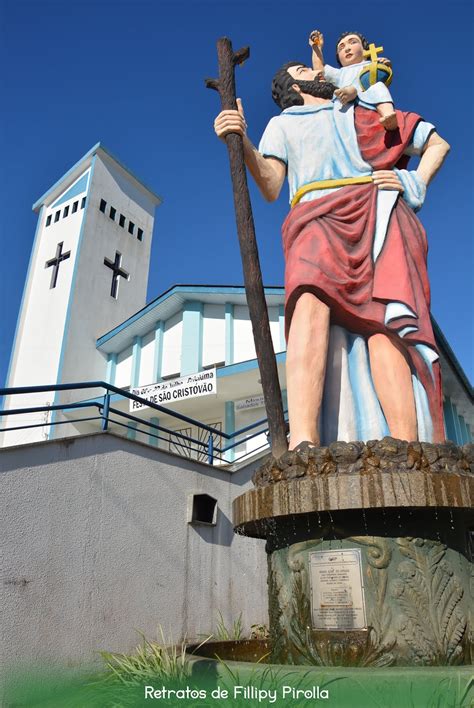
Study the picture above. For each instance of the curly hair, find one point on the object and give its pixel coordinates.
(282, 92)
(365, 43)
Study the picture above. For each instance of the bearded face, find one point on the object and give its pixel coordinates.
(318, 89)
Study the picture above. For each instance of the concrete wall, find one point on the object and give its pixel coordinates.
(97, 545)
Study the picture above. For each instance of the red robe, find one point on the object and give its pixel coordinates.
(328, 244)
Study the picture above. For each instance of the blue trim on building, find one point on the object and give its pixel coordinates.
(191, 342)
(136, 359)
(114, 398)
(70, 300)
(193, 289)
(449, 424)
(74, 191)
(92, 154)
(243, 366)
(152, 440)
(446, 348)
(132, 431)
(23, 297)
(229, 333)
(111, 369)
(230, 427)
(158, 353)
(281, 322)
(452, 422)
(463, 426)
(457, 424)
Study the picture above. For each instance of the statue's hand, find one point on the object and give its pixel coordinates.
(231, 122)
(346, 94)
(387, 179)
(384, 60)
(316, 39)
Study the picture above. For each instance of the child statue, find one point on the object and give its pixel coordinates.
(352, 79)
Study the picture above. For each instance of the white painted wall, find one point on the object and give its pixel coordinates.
(147, 359)
(213, 334)
(94, 311)
(43, 317)
(97, 545)
(244, 347)
(172, 338)
(244, 418)
(123, 370)
(273, 316)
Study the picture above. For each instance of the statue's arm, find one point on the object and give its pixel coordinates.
(268, 172)
(316, 42)
(433, 155)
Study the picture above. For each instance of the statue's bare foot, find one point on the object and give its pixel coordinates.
(389, 121)
(303, 445)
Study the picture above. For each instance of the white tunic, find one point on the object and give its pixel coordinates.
(349, 76)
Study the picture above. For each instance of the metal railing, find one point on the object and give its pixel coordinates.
(107, 415)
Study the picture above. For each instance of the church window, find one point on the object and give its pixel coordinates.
(56, 216)
(121, 220)
(102, 206)
(131, 227)
(112, 213)
(140, 234)
(48, 220)
(65, 212)
(74, 207)
(83, 203)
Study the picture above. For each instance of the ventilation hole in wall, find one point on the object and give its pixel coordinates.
(203, 509)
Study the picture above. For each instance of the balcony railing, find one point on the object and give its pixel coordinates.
(215, 443)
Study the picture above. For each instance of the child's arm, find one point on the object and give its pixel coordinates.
(346, 94)
(316, 42)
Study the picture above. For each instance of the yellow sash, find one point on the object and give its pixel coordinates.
(328, 184)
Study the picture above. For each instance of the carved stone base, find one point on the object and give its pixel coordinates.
(405, 522)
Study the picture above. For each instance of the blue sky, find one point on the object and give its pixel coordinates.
(131, 74)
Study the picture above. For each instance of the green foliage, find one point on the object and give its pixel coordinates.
(151, 660)
(223, 633)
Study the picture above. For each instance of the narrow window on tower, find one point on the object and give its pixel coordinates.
(112, 213)
(65, 212)
(74, 207)
(140, 234)
(56, 216)
(102, 206)
(121, 220)
(83, 203)
(48, 220)
(131, 227)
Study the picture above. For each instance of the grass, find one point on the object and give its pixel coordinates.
(223, 633)
(155, 660)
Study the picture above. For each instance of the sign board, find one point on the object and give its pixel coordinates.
(337, 590)
(202, 384)
(251, 402)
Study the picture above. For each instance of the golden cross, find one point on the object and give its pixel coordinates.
(371, 52)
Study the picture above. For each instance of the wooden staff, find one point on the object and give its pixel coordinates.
(225, 85)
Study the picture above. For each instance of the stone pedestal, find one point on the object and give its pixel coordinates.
(370, 552)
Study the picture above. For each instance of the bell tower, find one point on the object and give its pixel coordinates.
(88, 272)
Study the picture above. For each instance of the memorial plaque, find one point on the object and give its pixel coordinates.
(337, 590)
